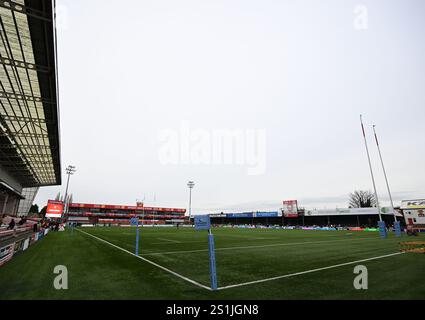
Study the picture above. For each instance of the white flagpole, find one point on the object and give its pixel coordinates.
(385, 174)
(371, 172)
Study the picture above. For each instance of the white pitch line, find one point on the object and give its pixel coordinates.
(174, 241)
(308, 271)
(149, 261)
(180, 242)
(254, 247)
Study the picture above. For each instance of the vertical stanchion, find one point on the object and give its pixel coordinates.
(135, 222)
(137, 239)
(204, 223)
(397, 228)
(213, 273)
(382, 229)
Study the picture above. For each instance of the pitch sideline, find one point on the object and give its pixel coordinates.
(243, 283)
(149, 261)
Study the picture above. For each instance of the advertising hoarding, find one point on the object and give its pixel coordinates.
(54, 209)
(202, 222)
(290, 208)
(273, 214)
(413, 204)
(240, 215)
(6, 253)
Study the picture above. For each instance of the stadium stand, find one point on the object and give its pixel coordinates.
(29, 113)
(102, 214)
(29, 116)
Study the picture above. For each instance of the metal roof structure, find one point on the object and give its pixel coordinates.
(29, 111)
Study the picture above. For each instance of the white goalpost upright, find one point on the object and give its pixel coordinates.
(381, 223)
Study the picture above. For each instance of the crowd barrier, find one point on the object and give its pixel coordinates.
(19, 242)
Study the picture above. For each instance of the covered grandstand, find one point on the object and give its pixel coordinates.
(29, 111)
(102, 214)
(346, 217)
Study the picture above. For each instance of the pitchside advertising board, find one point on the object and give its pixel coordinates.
(267, 214)
(6, 253)
(290, 208)
(54, 209)
(202, 222)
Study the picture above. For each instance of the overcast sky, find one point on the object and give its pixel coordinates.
(146, 87)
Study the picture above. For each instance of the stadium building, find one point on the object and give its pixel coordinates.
(29, 113)
(414, 213)
(103, 214)
(293, 216)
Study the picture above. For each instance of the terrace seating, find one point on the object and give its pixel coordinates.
(18, 230)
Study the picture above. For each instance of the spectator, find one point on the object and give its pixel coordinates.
(22, 222)
(11, 225)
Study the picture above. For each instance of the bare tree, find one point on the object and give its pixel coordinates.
(362, 199)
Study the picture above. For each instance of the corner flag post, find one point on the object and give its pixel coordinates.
(204, 223)
(135, 222)
(381, 223)
(213, 271)
(397, 228)
(137, 237)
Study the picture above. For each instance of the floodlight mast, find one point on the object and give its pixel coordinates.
(190, 184)
(70, 170)
(143, 210)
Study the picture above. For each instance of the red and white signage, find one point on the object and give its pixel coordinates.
(6, 253)
(54, 209)
(290, 208)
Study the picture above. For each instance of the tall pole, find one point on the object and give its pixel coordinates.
(70, 170)
(190, 203)
(190, 184)
(67, 184)
(370, 167)
(385, 173)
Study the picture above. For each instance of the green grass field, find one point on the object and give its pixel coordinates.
(98, 270)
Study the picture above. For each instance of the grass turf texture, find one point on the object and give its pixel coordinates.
(100, 271)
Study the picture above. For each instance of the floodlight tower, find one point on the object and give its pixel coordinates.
(190, 184)
(70, 170)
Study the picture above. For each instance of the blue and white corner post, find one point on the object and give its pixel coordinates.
(135, 222)
(204, 223)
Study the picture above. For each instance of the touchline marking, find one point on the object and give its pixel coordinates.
(253, 247)
(308, 271)
(150, 262)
